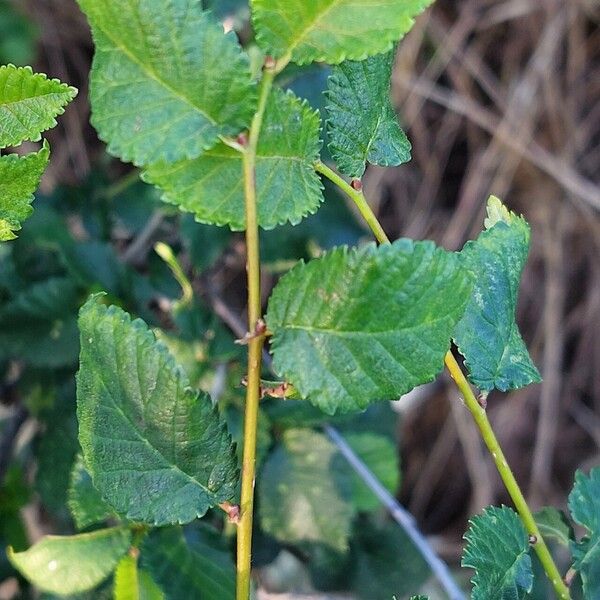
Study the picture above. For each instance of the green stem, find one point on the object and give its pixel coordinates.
(166, 253)
(478, 412)
(489, 437)
(255, 345)
(358, 198)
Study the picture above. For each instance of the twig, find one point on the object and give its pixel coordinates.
(399, 514)
(255, 345)
(489, 437)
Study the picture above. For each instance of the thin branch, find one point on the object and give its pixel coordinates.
(399, 514)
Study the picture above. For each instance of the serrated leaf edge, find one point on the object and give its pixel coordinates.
(170, 362)
(68, 89)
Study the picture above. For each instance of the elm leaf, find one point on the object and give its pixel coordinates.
(584, 504)
(29, 104)
(157, 450)
(84, 500)
(367, 324)
(553, 524)
(362, 124)
(193, 565)
(488, 336)
(498, 549)
(331, 30)
(303, 497)
(288, 188)
(19, 179)
(166, 81)
(132, 583)
(72, 564)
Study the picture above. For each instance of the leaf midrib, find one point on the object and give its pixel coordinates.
(344, 333)
(502, 583)
(138, 434)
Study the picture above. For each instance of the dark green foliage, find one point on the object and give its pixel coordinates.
(349, 329)
(193, 565)
(85, 502)
(303, 498)
(387, 563)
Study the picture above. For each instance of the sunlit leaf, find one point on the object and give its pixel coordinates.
(367, 324)
(166, 81)
(71, 564)
(29, 104)
(331, 30)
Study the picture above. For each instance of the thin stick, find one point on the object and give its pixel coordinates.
(399, 514)
(480, 417)
(255, 345)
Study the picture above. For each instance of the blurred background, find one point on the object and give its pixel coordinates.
(497, 97)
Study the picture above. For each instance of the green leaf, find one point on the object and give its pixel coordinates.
(288, 188)
(71, 564)
(84, 500)
(56, 447)
(38, 324)
(331, 30)
(498, 549)
(156, 450)
(166, 81)
(19, 179)
(362, 124)
(554, 524)
(18, 36)
(303, 497)
(584, 504)
(29, 103)
(380, 455)
(488, 336)
(132, 583)
(50, 299)
(360, 325)
(388, 565)
(189, 567)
